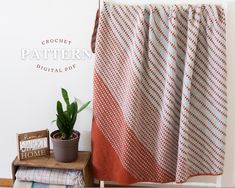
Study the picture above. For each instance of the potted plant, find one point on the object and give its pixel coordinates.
(65, 139)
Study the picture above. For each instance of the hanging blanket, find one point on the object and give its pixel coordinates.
(160, 104)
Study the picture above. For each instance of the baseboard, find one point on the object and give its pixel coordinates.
(6, 182)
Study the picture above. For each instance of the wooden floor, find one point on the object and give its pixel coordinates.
(6, 182)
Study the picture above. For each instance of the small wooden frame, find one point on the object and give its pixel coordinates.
(33, 144)
(83, 163)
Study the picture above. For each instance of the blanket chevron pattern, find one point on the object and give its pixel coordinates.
(160, 103)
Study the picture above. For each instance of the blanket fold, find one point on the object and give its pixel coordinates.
(72, 178)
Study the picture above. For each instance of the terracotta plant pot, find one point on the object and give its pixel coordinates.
(65, 150)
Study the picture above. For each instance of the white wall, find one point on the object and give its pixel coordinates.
(28, 96)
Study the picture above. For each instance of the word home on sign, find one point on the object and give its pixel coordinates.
(33, 144)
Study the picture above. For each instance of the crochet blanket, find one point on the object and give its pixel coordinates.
(72, 178)
(27, 184)
(160, 104)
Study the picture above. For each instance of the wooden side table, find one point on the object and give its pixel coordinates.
(83, 163)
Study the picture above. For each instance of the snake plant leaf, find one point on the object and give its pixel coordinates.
(62, 119)
(73, 121)
(66, 99)
(59, 125)
(67, 116)
(83, 106)
(65, 95)
(53, 121)
(74, 108)
(62, 129)
(59, 107)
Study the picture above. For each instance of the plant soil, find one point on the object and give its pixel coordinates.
(59, 136)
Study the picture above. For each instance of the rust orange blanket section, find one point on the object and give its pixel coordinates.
(107, 165)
